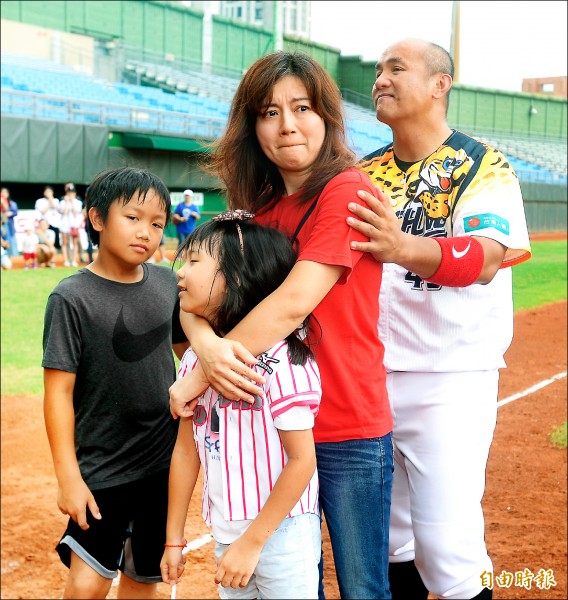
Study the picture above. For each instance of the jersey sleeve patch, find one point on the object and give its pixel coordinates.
(485, 220)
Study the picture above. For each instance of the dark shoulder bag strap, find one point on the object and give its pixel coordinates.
(304, 219)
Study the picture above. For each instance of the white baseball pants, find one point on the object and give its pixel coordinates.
(443, 428)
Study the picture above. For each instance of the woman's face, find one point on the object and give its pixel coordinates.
(290, 132)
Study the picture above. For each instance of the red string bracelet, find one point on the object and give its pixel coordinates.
(176, 545)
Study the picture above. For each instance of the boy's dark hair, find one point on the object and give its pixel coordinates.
(251, 274)
(113, 185)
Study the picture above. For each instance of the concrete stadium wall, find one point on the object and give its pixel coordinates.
(35, 151)
(545, 206)
(151, 26)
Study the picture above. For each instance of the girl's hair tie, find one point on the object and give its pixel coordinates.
(236, 215)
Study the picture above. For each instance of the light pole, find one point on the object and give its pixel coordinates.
(455, 39)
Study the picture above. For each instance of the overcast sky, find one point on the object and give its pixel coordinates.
(501, 43)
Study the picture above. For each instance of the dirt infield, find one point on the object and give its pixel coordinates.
(525, 500)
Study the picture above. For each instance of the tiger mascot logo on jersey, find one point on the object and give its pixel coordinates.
(438, 177)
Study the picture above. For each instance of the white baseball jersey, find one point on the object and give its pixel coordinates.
(239, 445)
(464, 188)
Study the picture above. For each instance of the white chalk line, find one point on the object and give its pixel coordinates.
(532, 389)
(197, 543)
(205, 539)
(193, 545)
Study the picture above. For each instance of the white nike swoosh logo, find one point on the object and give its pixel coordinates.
(458, 254)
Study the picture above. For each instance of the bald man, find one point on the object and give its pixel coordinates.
(448, 227)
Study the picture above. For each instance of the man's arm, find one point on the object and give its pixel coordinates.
(73, 496)
(423, 256)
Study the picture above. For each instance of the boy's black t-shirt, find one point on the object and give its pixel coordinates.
(117, 338)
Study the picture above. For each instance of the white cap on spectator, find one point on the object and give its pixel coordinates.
(188, 193)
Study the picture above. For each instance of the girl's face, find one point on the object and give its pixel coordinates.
(201, 284)
(290, 132)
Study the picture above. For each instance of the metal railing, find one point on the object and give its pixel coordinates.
(120, 117)
(116, 116)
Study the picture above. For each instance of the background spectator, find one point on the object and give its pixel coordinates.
(71, 209)
(46, 247)
(185, 215)
(6, 261)
(9, 211)
(89, 242)
(47, 208)
(29, 248)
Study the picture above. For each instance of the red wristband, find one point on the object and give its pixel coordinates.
(462, 261)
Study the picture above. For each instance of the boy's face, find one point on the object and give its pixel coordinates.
(133, 232)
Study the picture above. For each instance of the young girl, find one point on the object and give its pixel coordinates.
(260, 490)
(29, 248)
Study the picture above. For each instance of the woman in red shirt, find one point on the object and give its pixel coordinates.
(284, 156)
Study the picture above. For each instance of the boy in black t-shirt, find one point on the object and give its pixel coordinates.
(108, 364)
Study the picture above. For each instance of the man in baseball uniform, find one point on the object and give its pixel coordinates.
(450, 225)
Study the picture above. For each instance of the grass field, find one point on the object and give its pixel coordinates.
(24, 294)
(542, 279)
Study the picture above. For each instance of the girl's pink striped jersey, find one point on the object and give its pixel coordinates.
(244, 437)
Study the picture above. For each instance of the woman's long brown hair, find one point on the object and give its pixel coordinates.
(250, 179)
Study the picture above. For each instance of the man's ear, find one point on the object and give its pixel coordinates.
(443, 85)
(95, 218)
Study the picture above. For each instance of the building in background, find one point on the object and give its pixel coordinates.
(551, 86)
(295, 14)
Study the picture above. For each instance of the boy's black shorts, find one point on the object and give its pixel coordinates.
(130, 536)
